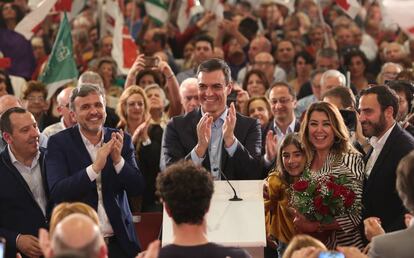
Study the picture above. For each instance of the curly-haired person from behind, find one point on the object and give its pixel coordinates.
(186, 191)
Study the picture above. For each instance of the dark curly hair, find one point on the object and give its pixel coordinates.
(186, 189)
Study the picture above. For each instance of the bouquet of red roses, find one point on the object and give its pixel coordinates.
(322, 197)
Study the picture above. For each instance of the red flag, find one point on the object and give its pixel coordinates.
(351, 7)
(129, 48)
(63, 6)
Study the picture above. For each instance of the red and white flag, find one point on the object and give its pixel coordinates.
(124, 50)
(350, 7)
(188, 9)
(31, 22)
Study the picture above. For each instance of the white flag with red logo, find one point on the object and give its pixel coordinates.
(401, 13)
(124, 50)
(31, 22)
(350, 7)
(188, 9)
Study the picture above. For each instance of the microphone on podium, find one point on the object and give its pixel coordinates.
(235, 197)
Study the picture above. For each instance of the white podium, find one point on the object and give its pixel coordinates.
(233, 223)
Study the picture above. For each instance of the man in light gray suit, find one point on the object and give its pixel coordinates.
(399, 243)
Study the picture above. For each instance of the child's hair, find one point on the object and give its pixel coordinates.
(300, 241)
(291, 138)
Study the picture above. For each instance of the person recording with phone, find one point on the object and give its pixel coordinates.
(162, 75)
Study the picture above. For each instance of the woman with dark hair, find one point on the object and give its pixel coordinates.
(291, 162)
(147, 77)
(10, 15)
(356, 63)
(259, 107)
(5, 84)
(330, 153)
(303, 65)
(255, 83)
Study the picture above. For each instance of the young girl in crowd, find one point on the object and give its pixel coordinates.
(279, 217)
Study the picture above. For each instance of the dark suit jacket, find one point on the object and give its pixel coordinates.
(66, 161)
(380, 198)
(180, 137)
(266, 168)
(19, 211)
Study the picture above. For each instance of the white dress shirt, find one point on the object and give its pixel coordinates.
(33, 177)
(377, 145)
(104, 225)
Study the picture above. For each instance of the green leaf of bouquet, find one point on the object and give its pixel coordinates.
(328, 219)
(318, 217)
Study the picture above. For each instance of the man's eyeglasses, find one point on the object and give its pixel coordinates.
(282, 101)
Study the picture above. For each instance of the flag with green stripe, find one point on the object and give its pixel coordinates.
(157, 10)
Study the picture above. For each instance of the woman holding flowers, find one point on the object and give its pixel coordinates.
(335, 162)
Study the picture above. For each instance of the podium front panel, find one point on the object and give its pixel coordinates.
(232, 223)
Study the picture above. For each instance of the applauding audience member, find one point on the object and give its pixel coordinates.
(133, 110)
(96, 165)
(215, 136)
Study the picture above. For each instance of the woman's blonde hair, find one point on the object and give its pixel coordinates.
(122, 105)
(300, 241)
(65, 209)
(341, 135)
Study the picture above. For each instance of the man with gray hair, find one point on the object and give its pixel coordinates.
(67, 120)
(305, 102)
(79, 234)
(189, 95)
(96, 165)
(331, 79)
(389, 72)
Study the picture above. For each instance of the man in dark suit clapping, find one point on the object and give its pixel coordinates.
(214, 135)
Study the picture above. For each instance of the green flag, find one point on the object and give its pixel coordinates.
(157, 10)
(61, 67)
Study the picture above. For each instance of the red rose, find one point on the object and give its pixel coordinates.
(339, 190)
(300, 186)
(330, 185)
(324, 210)
(349, 199)
(318, 202)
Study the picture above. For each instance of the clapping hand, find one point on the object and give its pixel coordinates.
(141, 133)
(271, 146)
(203, 134)
(372, 227)
(228, 127)
(101, 156)
(118, 142)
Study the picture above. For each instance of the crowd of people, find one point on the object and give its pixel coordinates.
(267, 92)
